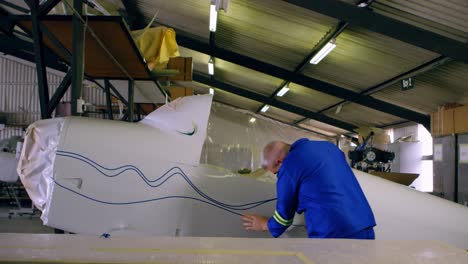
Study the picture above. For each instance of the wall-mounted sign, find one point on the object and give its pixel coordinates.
(438, 152)
(407, 84)
(463, 156)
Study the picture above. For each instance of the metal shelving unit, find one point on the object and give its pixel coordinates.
(85, 47)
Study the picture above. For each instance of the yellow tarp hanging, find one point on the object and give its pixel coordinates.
(157, 45)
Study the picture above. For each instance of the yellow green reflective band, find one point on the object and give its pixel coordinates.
(281, 220)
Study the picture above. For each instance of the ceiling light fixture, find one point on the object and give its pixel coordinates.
(211, 66)
(323, 52)
(211, 91)
(362, 4)
(265, 108)
(252, 120)
(338, 109)
(283, 91)
(213, 17)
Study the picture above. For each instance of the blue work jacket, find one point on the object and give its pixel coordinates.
(316, 180)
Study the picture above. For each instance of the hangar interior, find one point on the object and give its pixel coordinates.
(386, 81)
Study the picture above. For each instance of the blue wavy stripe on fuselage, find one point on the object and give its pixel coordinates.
(174, 170)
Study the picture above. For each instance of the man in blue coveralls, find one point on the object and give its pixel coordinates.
(314, 179)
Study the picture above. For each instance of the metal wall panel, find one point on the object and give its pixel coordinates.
(9, 132)
(19, 92)
(444, 166)
(462, 170)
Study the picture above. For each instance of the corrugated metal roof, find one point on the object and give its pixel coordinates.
(283, 34)
(362, 59)
(352, 2)
(224, 97)
(188, 15)
(307, 98)
(445, 84)
(234, 74)
(363, 116)
(272, 31)
(245, 78)
(322, 128)
(282, 115)
(20, 3)
(235, 100)
(448, 18)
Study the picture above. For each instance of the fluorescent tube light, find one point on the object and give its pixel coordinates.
(213, 18)
(323, 52)
(252, 120)
(264, 108)
(211, 66)
(211, 91)
(283, 91)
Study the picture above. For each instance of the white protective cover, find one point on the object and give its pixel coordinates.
(36, 161)
(121, 178)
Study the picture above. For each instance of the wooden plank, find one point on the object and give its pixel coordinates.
(98, 64)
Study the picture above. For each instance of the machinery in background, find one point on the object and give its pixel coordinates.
(11, 189)
(368, 158)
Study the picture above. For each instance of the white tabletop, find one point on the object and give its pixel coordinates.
(85, 249)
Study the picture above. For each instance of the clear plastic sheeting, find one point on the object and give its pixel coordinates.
(36, 163)
(236, 139)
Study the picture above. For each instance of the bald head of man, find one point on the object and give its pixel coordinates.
(273, 155)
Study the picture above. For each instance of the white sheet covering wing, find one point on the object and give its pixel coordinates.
(36, 162)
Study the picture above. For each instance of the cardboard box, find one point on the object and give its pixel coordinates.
(147, 108)
(183, 65)
(461, 120)
(442, 122)
(449, 106)
(401, 178)
(435, 124)
(178, 91)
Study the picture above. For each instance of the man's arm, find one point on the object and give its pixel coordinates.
(286, 205)
(285, 208)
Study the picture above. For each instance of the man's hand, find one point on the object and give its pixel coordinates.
(255, 223)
